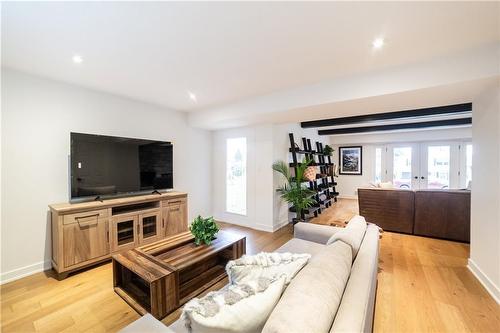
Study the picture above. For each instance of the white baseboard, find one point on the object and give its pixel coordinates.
(257, 226)
(18, 273)
(492, 289)
(280, 225)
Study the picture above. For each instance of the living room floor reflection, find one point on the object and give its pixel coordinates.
(423, 285)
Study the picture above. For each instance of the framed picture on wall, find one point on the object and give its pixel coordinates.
(351, 160)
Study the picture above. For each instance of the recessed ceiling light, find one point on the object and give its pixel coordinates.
(77, 59)
(192, 96)
(378, 43)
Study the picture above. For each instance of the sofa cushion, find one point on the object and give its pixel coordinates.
(311, 300)
(360, 291)
(268, 265)
(147, 323)
(296, 245)
(236, 308)
(352, 234)
(312, 232)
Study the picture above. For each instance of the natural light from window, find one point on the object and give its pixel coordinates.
(438, 167)
(236, 176)
(378, 165)
(402, 167)
(468, 164)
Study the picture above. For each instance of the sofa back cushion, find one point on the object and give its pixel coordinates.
(310, 302)
(355, 313)
(352, 234)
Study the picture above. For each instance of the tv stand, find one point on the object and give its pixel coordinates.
(98, 198)
(87, 233)
(156, 192)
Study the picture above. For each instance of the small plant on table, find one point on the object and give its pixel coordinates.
(204, 230)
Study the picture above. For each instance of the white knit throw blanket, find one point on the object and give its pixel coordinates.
(265, 265)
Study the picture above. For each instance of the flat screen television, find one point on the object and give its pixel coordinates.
(110, 166)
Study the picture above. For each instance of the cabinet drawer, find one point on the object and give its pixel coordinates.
(86, 218)
(177, 201)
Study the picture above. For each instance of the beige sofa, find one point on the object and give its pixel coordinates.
(318, 299)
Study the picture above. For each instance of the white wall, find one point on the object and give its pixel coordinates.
(38, 115)
(348, 184)
(259, 177)
(484, 259)
(265, 145)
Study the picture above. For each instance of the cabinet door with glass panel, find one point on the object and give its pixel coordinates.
(124, 232)
(150, 227)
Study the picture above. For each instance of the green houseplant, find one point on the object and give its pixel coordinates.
(293, 191)
(327, 150)
(204, 230)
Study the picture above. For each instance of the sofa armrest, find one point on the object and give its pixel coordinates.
(314, 232)
(147, 323)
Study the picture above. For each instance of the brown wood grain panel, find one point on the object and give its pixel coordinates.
(392, 210)
(173, 270)
(443, 214)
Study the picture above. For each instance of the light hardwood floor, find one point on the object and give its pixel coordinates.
(424, 286)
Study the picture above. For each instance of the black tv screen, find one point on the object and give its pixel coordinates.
(109, 166)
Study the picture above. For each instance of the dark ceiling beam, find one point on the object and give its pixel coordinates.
(380, 128)
(439, 110)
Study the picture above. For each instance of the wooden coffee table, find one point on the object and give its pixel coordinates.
(160, 277)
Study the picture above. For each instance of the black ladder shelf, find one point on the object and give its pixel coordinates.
(324, 184)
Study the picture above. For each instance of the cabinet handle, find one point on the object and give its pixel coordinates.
(87, 224)
(107, 236)
(163, 223)
(175, 202)
(86, 216)
(174, 209)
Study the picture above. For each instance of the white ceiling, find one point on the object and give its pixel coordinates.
(230, 52)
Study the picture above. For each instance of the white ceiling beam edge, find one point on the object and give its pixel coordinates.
(472, 65)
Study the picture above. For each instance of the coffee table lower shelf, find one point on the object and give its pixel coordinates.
(160, 277)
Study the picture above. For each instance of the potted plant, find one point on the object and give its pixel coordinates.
(327, 150)
(293, 191)
(204, 230)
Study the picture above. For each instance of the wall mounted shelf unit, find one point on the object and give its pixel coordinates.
(324, 184)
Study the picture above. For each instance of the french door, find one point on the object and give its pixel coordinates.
(430, 165)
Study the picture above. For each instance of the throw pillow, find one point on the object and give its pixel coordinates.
(267, 265)
(352, 234)
(237, 308)
(385, 185)
(310, 173)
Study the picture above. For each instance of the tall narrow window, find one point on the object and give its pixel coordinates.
(236, 176)
(438, 167)
(378, 165)
(402, 167)
(468, 164)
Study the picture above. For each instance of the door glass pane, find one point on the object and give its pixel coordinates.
(378, 165)
(149, 226)
(402, 167)
(468, 164)
(438, 167)
(125, 232)
(236, 176)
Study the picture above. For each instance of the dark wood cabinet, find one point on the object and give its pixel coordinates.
(432, 213)
(443, 214)
(392, 210)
